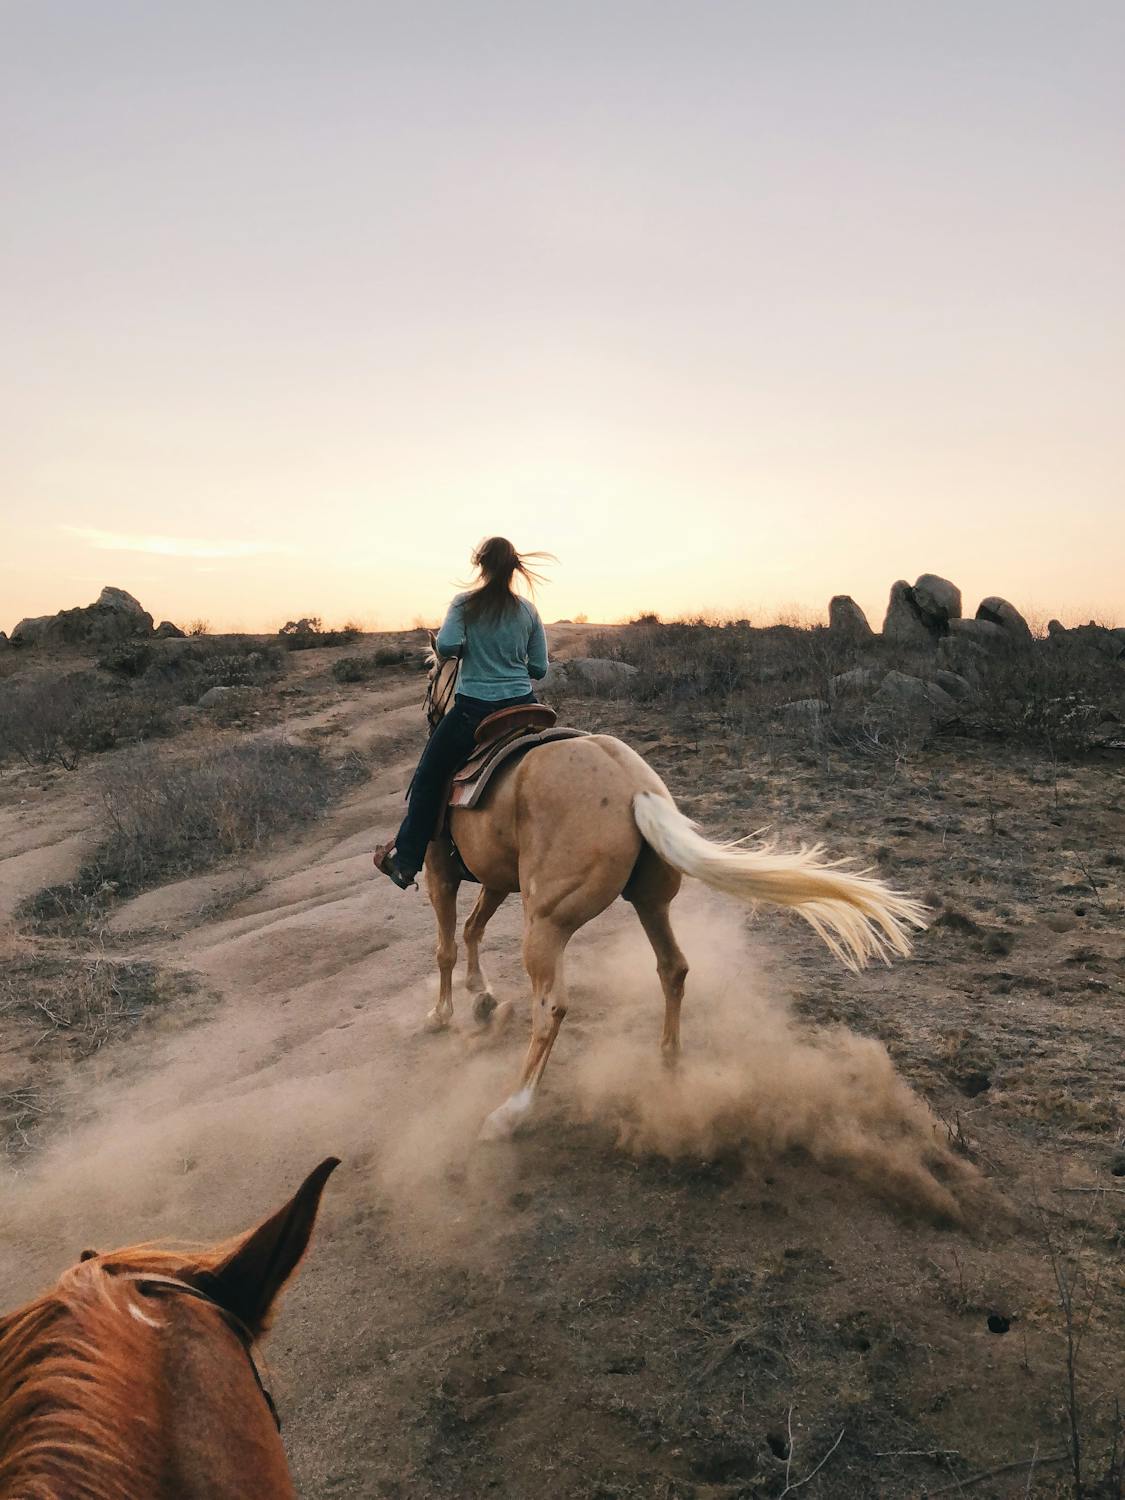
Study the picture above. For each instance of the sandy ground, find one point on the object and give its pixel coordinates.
(669, 1286)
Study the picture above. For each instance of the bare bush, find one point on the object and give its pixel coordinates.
(44, 720)
(57, 1008)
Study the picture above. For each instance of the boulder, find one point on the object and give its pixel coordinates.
(858, 680)
(845, 618)
(903, 624)
(997, 611)
(167, 631)
(958, 654)
(592, 674)
(909, 697)
(954, 684)
(979, 632)
(937, 600)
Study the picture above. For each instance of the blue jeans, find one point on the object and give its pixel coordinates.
(449, 748)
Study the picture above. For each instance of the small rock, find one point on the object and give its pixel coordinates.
(167, 631)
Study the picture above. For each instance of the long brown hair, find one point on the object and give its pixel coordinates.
(498, 562)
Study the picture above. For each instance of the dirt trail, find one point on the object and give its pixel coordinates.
(625, 1301)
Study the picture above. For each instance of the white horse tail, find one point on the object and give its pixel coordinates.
(857, 915)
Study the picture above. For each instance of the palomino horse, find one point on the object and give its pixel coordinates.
(133, 1377)
(575, 823)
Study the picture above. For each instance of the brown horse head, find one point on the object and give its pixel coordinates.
(134, 1374)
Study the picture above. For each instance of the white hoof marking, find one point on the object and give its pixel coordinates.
(502, 1122)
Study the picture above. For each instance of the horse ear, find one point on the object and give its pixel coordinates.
(247, 1282)
(433, 640)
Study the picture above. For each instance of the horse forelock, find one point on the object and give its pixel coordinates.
(79, 1383)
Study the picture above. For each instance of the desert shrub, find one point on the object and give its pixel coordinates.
(165, 817)
(307, 633)
(360, 668)
(199, 627)
(704, 660)
(1056, 698)
(184, 675)
(56, 720)
(39, 719)
(128, 659)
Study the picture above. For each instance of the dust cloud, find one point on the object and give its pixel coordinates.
(218, 1122)
(752, 1081)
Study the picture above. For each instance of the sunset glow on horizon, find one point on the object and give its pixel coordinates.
(732, 307)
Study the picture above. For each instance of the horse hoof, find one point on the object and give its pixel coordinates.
(483, 1008)
(503, 1122)
(435, 1022)
(502, 1015)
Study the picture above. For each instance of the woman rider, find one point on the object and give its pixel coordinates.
(500, 637)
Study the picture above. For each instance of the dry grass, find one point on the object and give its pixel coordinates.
(58, 1009)
(1046, 695)
(165, 817)
(58, 718)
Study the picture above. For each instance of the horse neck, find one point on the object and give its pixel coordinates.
(220, 1434)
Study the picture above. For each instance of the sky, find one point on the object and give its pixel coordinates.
(730, 305)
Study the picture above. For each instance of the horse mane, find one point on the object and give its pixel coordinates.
(70, 1407)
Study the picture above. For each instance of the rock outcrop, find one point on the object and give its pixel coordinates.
(114, 616)
(166, 631)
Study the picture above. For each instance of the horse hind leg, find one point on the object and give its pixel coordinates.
(486, 906)
(542, 953)
(671, 965)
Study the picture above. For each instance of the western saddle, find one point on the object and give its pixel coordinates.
(502, 736)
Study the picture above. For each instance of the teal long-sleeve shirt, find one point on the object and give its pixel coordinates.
(500, 657)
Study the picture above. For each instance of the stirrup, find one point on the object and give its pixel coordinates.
(385, 862)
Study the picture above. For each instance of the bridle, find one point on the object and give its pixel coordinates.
(148, 1281)
(439, 693)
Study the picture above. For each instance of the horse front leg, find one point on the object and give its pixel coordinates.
(442, 884)
(486, 906)
(543, 947)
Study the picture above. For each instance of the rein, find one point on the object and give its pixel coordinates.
(148, 1281)
(439, 703)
